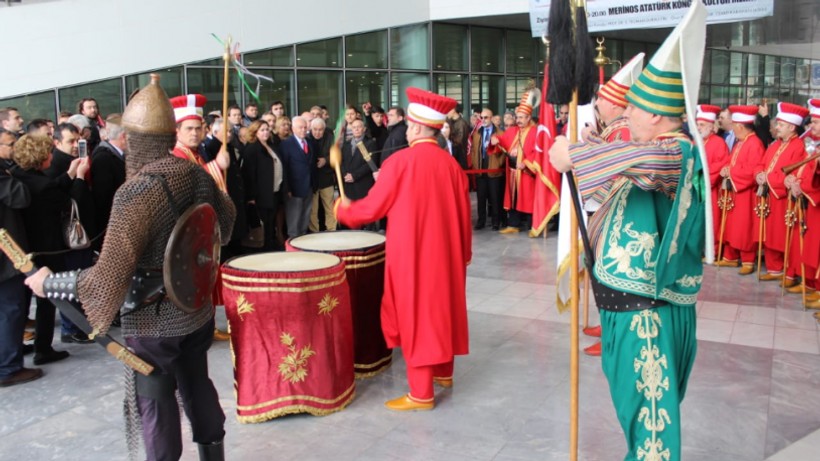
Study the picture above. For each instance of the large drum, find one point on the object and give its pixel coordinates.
(363, 254)
(291, 334)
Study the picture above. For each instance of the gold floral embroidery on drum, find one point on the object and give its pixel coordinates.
(327, 304)
(243, 306)
(652, 383)
(294, 365)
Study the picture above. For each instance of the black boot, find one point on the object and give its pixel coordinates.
(212, 451)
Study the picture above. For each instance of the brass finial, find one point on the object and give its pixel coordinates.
(601, 60)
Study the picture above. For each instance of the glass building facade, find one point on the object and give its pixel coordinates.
(476, 65)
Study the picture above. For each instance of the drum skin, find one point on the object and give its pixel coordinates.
(363, 253)
(291, 334)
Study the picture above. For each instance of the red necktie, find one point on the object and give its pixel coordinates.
(304, 146)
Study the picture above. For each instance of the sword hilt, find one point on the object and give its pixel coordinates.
(21, 261)
(130, 359)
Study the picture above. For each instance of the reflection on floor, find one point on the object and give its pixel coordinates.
(753, 392)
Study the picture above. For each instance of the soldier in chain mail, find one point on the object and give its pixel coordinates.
(156, 322)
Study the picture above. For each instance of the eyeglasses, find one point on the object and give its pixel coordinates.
(484, 117)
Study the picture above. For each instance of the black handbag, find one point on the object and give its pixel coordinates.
(256, 230)
(76, 238)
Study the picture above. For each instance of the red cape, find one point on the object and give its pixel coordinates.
(521, 191)
(741, 221)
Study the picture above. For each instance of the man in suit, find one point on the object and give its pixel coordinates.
(489, 186)
(108, 171)
(66, 137)
(298, 162)
(396, 133)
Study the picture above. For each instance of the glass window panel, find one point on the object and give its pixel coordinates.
(787, 71)
(170, 80)
(487, 91)
(755, 70)
(802, 71)
(455, 86)
(737, 68)
(703, 95)
(409, 47)
(400, 81)
(720, 66)
(706, 73)
(449, 47)
(362, 87)
(208, 82)
(720, 96)
(108, 94)
(280, 90)
(520, 52)
(31, 106)
(277, 57)
(367, 50)
(737, 95)
(541, 56)
(487, 49)
(324, 53)
(630, 49)
(317, 88)
(754, 95)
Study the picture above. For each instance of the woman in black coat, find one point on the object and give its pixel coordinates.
(43, 220)
(264, 180)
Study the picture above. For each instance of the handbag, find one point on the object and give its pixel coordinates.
(256, 230)
(75, 236)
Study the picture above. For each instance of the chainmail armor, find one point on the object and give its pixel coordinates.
(141, 223)
(146, 148)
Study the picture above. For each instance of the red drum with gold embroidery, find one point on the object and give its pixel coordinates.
(291, 334)
(363, 254)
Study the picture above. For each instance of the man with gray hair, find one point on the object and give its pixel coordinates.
(323, 180)
(298, 161)
(108, 171)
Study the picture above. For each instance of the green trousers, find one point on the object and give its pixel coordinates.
(647, 357)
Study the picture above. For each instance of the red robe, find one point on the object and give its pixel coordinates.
(423, 192)
(520, 186)
(717, 155)
(741, 221)
(617, 130)
(778, 155)
(809, 177)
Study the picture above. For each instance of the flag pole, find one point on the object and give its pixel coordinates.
(226, 56)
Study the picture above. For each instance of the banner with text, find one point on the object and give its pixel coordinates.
(642, 14)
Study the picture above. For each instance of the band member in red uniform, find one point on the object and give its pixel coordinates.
(717, 154)
(190, 132)
(740, 234)
(786, 150)
(423, 192)
(519, 144)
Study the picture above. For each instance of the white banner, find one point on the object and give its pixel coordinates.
(644, 14)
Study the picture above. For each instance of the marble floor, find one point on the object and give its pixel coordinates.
(753, 394)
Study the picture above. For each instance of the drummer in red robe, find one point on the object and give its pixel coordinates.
(786, 150)
(717, 154)
(188, 110)
(519, 144)
(424, 194)
(740, 234)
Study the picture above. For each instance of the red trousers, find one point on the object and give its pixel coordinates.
(731, 254)
(420, 379)
(774, 260)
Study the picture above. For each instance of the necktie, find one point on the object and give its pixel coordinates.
(304, 145)
(485, 142)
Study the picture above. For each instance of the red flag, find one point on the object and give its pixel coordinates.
(548, 188)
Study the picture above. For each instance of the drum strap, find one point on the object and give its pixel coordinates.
(164, 183)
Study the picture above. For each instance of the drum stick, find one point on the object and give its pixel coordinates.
(335, 162)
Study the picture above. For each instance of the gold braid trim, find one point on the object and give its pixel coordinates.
(380, 363)
(346, 397)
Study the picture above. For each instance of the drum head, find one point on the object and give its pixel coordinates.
(338, 241)
(283, 262)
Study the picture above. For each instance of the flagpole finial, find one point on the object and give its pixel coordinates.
(601, 59)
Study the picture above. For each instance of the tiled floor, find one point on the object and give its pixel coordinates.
(753, 392)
